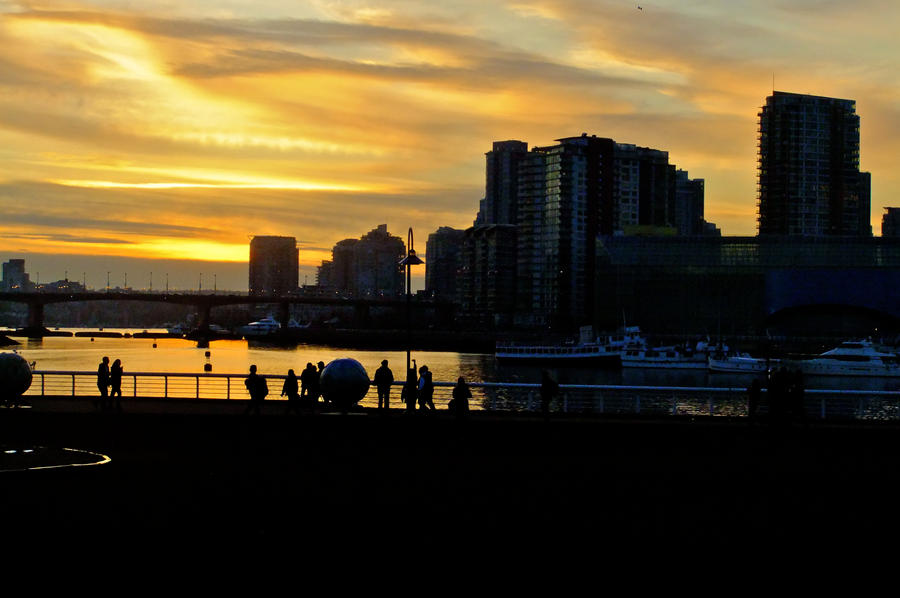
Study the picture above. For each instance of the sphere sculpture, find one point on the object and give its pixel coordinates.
(344, 382)
(15, 377)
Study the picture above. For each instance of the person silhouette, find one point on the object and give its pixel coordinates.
(410, 390)
(115, 383)
(384, 377)
(549, 389)
(317, 387)
(289, 390)
(306, 381)
(103, 382)
(426, 389)
(459, 404)
(258, 389)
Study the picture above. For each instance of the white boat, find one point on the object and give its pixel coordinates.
(587, 351)
(670, 357)
(742, 364)
(851, 358)
(264, 327)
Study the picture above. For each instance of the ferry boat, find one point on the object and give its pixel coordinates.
(264, 327)
(742, 364)
(600, 351)
(557, 355)
(852, 358)
(670, 357)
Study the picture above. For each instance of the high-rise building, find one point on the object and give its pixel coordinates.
(15, 278)
(274, 265)
(890, 222)
(809, 178)
(488, 275)
(366, 266)
(501, 182)
(689, 200)
(557, 199)
(443, 253)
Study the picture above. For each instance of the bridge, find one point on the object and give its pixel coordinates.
(204, 302)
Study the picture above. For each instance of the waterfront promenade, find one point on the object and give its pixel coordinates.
(200, 472)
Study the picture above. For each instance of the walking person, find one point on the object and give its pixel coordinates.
(426, 389)
(549, 389)
(410, 389)
(459, 404)
(289, 390)
(103, 383)
(258, 389)
(384, 377)
(115, 384)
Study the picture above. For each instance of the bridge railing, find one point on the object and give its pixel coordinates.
(492, 396)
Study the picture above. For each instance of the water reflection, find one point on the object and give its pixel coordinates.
(178, 355)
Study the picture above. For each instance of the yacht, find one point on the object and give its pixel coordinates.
(264, 327)
(852, 358)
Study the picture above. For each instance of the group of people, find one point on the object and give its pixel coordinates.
(305, 390)
(109, 383)
(785, 396)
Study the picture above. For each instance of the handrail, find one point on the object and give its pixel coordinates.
(492, 396)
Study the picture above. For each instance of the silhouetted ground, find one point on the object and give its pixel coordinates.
(200, 473)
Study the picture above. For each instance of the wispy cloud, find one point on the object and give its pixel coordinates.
(322, 119)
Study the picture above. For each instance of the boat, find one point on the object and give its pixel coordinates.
(264, 327)
(851, 358)
(586, 351)
(670, 356)
(575, 354)
(741, 364)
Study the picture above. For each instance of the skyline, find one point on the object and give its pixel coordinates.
(323, 120)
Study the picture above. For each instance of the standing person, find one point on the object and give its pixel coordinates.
(115, 383)
(258, 389)
(410, 390)
(289, 390)
(306, 381)
(461, 396)
(549, 389)
(103, 382)
(384, 377)
(317, 387)
(426, 389)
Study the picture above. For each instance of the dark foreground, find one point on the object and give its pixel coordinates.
(202, 474)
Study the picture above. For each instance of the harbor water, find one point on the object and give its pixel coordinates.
(83, 353)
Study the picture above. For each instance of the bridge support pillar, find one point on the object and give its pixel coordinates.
(203, 318)
(35, 327)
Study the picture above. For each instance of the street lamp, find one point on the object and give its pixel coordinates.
(410, 260)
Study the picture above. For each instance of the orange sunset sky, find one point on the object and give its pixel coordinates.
(157, 137)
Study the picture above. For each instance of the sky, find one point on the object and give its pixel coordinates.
(140, 137)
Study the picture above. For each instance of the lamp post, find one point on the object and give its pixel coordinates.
(410, 260)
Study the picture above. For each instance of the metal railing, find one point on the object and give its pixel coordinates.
(493, 396)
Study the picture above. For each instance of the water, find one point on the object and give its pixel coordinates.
(235, 357)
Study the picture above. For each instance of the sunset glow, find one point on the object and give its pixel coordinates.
(155, 134)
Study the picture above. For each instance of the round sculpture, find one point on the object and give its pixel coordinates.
(15, 376)
(344, 382)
